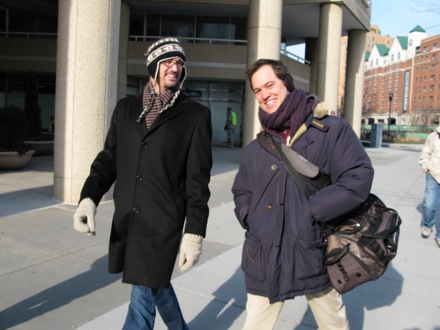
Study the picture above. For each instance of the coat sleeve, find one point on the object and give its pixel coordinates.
(103, 169)
(351, 174)
(242, 191)
(198, 176)
(425, 154)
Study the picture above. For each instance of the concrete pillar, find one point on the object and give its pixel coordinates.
(329, 48)
(354, 79)
(123, 51)
(264, 40)
(312, 56)
(87, 73)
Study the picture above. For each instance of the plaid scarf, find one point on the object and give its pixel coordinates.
(154, 103)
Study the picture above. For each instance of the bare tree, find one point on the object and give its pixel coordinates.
(424, 5)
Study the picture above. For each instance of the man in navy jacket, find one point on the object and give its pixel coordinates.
(284, 248)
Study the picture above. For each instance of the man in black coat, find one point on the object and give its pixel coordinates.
(158, 154)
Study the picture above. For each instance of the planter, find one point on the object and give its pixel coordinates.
(42, 148)
(12, 160)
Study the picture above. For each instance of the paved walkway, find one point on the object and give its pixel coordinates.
(52, 277)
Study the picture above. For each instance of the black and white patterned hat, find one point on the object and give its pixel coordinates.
(163, 50)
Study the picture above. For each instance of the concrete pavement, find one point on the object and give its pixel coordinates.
(52, 277)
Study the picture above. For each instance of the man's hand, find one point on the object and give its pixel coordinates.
(84, 217)
(190, 251)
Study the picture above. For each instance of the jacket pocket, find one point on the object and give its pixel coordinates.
(252, 258)
(309, 259)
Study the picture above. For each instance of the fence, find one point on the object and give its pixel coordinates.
(400, 133)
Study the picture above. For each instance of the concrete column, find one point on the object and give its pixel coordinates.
(264, 40)
(329, 48)
(312, 56)
(354, 79)
(123, 51)
(87, 72)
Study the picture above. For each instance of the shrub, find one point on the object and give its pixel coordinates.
(32, 107)
(14, 129)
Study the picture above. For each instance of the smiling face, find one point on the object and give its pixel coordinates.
(169, 74)
(269, 90)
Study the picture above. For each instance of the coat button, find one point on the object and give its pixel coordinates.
(135, 210)
(274, 167)
(144, 145)
(269, 206)
(139, 178)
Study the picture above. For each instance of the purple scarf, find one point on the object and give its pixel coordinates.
(291, 114)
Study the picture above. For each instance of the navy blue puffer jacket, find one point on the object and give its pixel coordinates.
(283, 250)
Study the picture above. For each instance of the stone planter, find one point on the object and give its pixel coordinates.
(12, 160)
(42, 148)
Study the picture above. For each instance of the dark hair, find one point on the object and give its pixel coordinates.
(280, 70)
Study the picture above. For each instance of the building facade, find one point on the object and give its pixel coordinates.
(88, 54)
(401, 81)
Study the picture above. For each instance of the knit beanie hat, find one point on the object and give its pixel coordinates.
(162, 50)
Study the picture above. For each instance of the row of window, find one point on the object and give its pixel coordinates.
(425, 58)
(24, 22)
(426, 68)
(204, 28)
(423, 99)
(425, 78)
(188, 26)
(426, 48)
(423, 89)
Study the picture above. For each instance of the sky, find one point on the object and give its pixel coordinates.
(398, 17)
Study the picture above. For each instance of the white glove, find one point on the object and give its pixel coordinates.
(84, 217)
(190, 251)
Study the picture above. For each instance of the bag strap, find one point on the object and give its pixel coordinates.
(292, 171)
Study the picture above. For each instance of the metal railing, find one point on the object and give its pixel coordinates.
(28, 35)
(138, 38)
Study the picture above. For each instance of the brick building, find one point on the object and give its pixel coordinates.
(401, 82)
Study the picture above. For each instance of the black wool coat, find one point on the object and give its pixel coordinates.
(161, 178)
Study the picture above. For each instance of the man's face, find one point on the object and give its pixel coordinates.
(268, 89)
(169, 73)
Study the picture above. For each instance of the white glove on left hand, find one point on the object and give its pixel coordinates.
(190, 251)
(84, 217)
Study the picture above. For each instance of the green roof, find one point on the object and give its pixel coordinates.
(403, 42)
(383, 50)
(367, 55)
(418, 28)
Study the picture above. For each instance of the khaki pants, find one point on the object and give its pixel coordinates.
(327, 308)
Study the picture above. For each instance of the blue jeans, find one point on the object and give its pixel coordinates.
(431, 204)
(142, 309)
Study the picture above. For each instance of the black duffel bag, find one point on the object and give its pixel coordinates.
(360, 248)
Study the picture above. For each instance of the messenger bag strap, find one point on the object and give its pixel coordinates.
(292, 171)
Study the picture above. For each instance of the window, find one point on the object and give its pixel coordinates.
(3, 14)
(184, 27)
(177, 26)
(214, 27)
(137, 27)
(20, 21)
